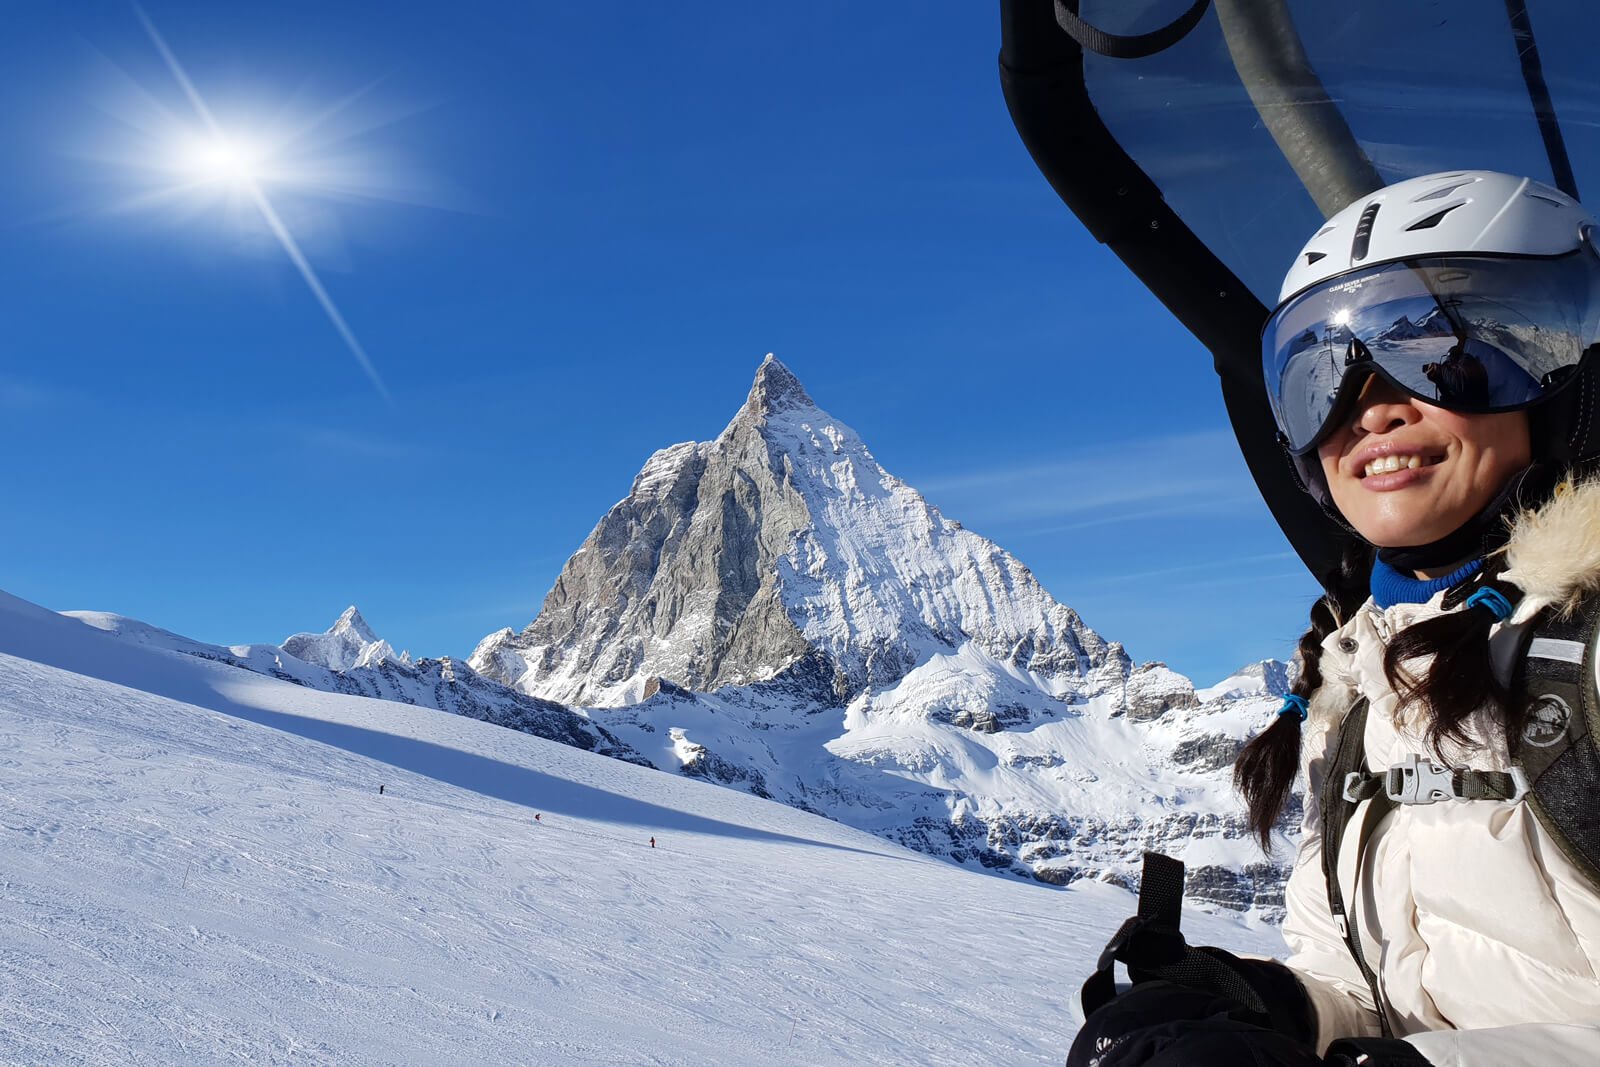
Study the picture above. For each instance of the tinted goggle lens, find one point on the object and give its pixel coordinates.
(1467, 333)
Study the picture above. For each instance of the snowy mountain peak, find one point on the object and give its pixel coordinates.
(1270, 677)
(783, 547)
(775, 389)
(352, 621)
(348, 643)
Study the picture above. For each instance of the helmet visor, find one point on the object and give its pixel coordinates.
(1468, 333)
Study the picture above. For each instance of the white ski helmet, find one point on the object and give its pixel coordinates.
(1469, 211)
(1470, 290)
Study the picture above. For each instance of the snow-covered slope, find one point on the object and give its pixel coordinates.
(196, 866)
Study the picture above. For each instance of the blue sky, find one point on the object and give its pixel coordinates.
(565, 236)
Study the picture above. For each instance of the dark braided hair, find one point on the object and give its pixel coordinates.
(1266, 768)
(1460, 679)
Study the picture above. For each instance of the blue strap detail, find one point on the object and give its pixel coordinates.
(1492, 599)
(1293, 705)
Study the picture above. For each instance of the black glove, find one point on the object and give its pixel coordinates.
(1189, 1006)
(1287, 1007)
(1377, 1052)
(1159, 1024)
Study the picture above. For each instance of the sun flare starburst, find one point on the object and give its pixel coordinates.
(205, 155)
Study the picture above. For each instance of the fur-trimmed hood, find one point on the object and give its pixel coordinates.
(1553, 554)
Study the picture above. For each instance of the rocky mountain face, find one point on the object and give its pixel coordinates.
(782, 546)
(775, 611)
(677, 581)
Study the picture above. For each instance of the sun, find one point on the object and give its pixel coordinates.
(225, 159)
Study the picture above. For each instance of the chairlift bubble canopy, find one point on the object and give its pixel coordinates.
(1204, 141)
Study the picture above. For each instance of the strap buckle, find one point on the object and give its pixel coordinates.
(1359, 786)
(1417, 780)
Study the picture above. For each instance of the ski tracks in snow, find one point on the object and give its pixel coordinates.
(183, 886)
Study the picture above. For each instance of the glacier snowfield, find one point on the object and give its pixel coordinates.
(196, 866)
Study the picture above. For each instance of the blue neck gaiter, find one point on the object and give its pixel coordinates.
(1391, 587)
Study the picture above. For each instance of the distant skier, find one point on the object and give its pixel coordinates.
(652, 842)
(380, 790)
(536, 816)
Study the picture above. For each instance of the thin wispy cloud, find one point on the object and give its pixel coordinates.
(346, 444)
(1300, 578)
(1123, 481)
(515, 613)
(1233, 566)
(1184, 508)
(18, 395)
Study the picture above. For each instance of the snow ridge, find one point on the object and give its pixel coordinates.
(348, 643)
(443, 684)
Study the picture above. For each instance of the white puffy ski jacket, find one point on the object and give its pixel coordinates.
(1485, 938)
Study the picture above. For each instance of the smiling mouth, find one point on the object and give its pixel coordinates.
(1392, 463)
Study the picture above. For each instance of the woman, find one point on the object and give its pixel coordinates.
(1429, 368)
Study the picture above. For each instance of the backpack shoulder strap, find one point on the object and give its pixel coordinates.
(1558, 747)
(1345, 785)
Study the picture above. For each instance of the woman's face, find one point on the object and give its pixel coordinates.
(1406, 473)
